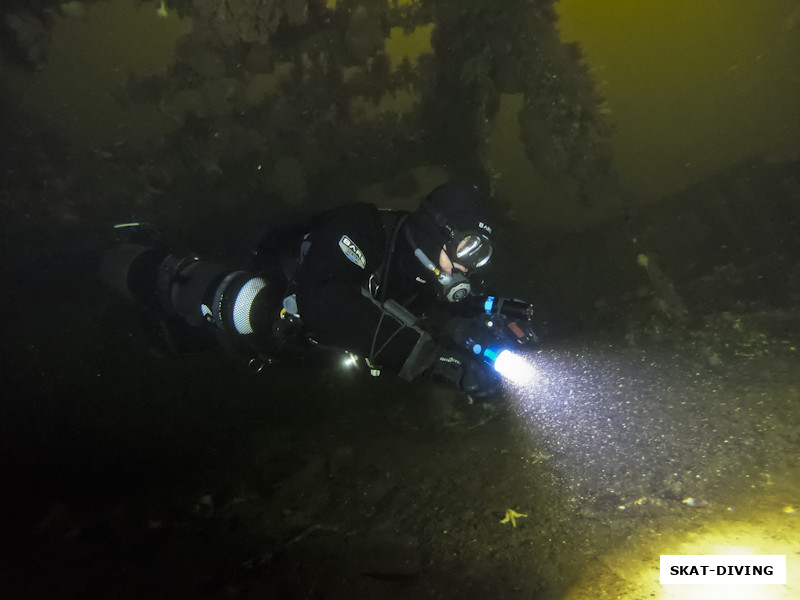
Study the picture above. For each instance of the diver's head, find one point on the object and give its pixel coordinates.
(451, 219)
(450, 227)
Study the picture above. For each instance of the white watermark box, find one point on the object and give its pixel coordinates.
(723, 568)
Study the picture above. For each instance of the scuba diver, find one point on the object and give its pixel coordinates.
(396, 288)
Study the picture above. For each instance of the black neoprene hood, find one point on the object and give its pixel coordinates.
(461, 206)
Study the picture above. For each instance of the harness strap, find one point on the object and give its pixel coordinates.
(405, 318)
(393, 221)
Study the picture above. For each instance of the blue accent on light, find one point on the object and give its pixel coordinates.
(477, 348)
(488, 305)
(490, 355)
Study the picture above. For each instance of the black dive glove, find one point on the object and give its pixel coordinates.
(465, 372)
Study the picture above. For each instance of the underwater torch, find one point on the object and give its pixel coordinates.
(497, 335)
(510, 365)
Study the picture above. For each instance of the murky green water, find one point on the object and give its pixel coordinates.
(689, 87)
(89, 61)
(692, 86)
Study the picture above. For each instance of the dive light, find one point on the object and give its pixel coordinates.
(516, 310)
(509, 364)
(506, 324)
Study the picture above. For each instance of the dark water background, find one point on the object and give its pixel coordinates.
(648, 195)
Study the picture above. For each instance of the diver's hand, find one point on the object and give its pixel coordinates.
(479, 381)
(463, 371)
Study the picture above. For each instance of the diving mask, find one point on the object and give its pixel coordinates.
(473, 250)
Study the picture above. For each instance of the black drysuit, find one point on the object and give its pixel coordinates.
(348, 246)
